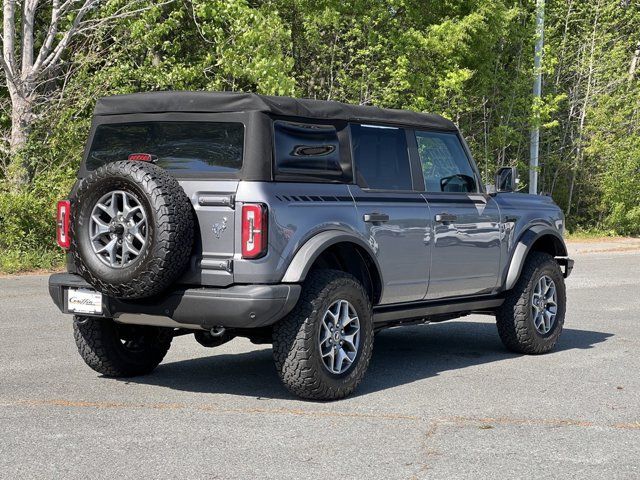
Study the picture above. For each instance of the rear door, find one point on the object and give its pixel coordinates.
(205, 153)
(392, 212)
(465, 257)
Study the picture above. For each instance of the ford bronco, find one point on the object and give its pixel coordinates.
(309, 225)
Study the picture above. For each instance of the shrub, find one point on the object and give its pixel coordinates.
(27, 223)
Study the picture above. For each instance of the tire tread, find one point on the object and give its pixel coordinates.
(513, 318)
(294, 340)
(164, 260)
(101, 350)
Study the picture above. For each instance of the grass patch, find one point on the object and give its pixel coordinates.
(590, 234)
(16, 261)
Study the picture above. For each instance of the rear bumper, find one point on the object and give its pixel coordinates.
(238, 306)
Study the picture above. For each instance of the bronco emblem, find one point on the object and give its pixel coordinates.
(219, 228)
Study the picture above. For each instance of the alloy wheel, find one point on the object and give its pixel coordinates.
(118, 229)
(544, 304)
(339, 337)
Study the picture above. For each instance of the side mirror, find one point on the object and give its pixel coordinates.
(507, 179)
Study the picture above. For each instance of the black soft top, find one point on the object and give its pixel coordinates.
(213, 102)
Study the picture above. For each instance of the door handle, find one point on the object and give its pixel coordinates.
(446, 217)
(376, 217)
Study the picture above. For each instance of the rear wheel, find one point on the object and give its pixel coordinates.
(118, 350)
(323, 347)
(531, 318)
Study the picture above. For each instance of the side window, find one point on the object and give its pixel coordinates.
(445, 165)
(381, 157)
(306, 149)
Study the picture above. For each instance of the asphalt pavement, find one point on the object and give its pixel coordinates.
(439, 401)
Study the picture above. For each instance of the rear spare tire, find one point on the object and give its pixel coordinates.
(132, 229)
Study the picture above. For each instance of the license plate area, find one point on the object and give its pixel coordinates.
(84, 301)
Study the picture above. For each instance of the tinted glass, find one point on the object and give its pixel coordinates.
(381, 157)
(189, 147)
(445, 165)
(306, 148)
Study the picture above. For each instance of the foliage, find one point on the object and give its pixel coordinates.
(470, 60)
(27, 222)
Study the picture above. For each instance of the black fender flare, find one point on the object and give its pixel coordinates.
(309, 252)
(523, 247)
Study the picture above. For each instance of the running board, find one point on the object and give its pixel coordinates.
(423, 310)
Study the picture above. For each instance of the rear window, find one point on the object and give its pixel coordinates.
(188, 147)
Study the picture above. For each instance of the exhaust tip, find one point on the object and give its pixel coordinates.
(217, 331)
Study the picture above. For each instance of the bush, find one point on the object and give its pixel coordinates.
(27, 223)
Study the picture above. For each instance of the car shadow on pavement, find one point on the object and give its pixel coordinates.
(400, 356)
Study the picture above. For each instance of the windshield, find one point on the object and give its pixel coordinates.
(182, 147)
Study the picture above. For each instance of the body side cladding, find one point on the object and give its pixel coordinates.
(523, 247)
(314, 247)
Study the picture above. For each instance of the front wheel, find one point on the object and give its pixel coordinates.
(118, 350)
(323, 347)
(531, 318)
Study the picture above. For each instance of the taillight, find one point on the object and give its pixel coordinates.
(254, 230)
(62, 223)
(141, 157)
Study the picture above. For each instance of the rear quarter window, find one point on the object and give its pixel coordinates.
(308, 152)
(180, 147)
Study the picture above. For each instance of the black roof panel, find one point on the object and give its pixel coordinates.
(157, 102)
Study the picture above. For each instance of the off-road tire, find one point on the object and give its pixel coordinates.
(170, 230)
(100, 346)
(514, 319)
(295, 338)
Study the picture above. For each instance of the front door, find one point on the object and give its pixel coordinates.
(466, 245)
(394, 216)
(465, 255)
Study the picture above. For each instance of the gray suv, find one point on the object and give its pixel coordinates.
(306, 224)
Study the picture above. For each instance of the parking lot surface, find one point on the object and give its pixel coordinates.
(439, 401)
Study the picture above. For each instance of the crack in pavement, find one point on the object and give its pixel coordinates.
(434, 423)
(202, 408)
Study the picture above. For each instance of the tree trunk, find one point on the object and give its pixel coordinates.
(24, 73)
(634, 63)
(20, 123)
(583, 114)
(21, 118)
